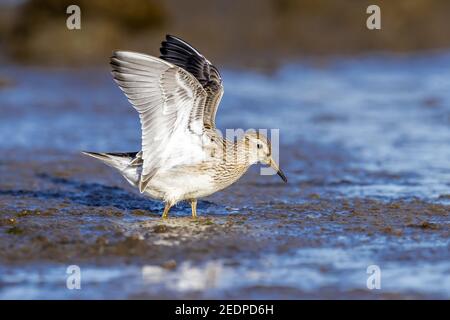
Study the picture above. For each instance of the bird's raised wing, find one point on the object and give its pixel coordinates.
(182, 54)
(169, 100)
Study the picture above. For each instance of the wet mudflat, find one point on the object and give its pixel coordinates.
(365, 144)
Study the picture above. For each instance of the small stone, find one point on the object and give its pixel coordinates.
(138, 212)
(169, 265)
(160, 228)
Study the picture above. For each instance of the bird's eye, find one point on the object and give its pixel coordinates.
(259, 146)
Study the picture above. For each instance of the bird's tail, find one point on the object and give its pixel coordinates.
(128, 163)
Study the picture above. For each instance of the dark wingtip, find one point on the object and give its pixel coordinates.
(170, 37)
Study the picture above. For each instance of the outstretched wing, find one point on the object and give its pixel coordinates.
(169, 100)
(182, 54)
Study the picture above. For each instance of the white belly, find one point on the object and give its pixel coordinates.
(173, 186)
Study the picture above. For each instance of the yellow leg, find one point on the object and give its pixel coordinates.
(166, 211)
(194, 208)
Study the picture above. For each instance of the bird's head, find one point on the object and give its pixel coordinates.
(260, 150)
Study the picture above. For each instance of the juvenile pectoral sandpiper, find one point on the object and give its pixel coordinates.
(183, 157)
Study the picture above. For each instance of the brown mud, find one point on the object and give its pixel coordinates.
(364, 144)
(76, 211)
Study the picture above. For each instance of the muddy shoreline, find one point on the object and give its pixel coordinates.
(55, 220)
(363, 142)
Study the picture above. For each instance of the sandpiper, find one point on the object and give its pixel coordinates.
(183, 156)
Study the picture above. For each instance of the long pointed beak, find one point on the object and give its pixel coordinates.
(278, 170)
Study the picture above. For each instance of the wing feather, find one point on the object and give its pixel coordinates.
(168, 100)
(182, 54)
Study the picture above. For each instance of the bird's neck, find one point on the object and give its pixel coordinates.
(234, 162)
(237, 153)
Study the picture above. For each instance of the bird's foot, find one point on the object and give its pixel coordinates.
(194, 208)
(165, 214)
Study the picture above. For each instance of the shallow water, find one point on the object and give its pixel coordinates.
(364, 143)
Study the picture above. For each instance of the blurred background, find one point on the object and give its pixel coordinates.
(364, 119)
(257, 33)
